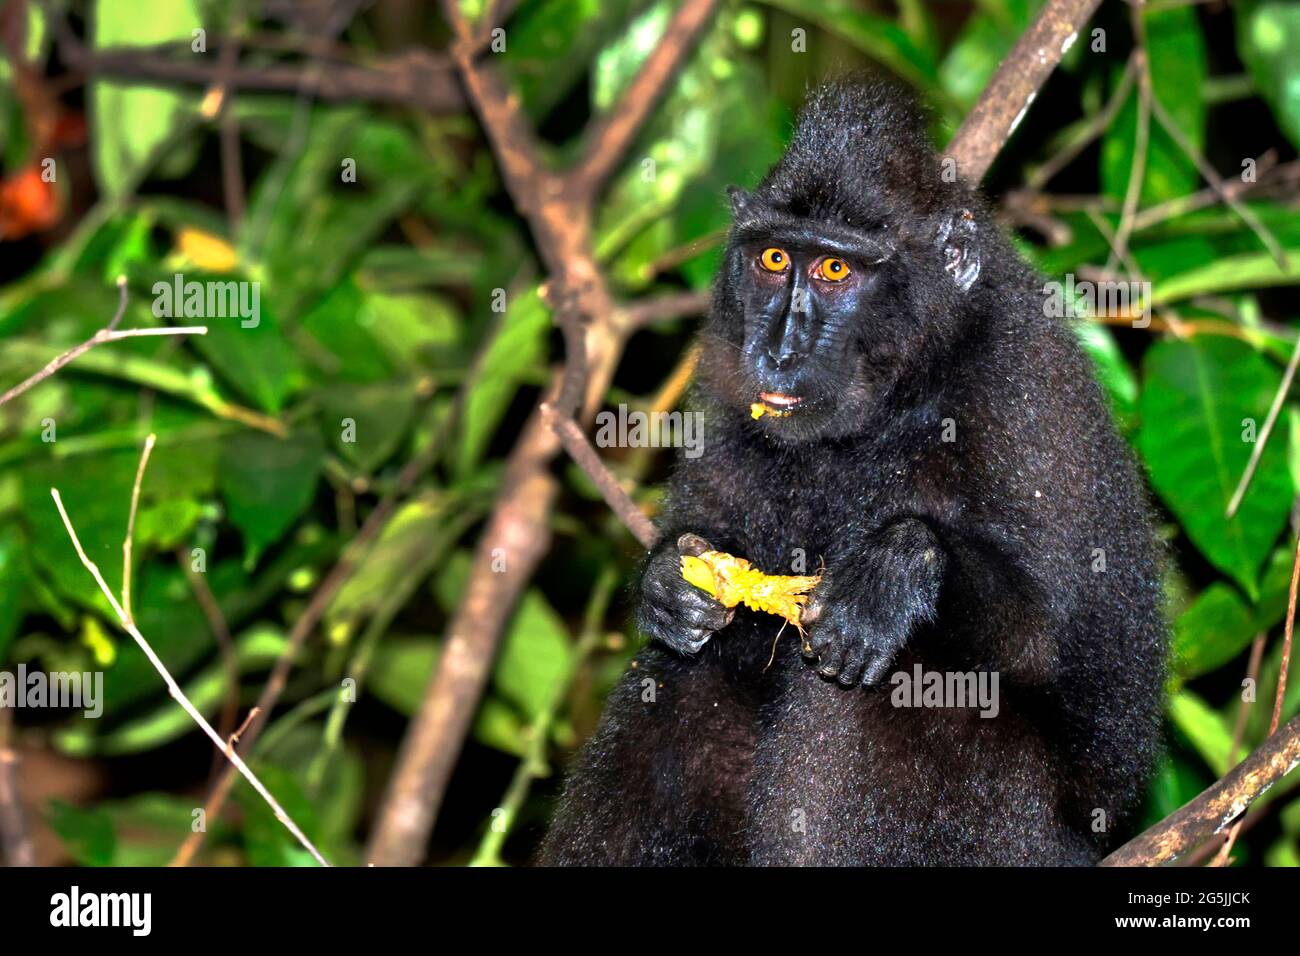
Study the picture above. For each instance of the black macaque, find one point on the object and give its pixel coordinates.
(882, 391)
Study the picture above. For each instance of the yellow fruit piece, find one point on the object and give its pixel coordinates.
(208, 252)
(758, 410)
(734, 581)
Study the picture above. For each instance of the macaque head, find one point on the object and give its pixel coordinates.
(845, 270)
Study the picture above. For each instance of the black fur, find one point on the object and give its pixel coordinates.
(973, 554)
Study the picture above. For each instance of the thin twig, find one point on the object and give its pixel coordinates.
(1211, 176)
(414, 78)
(1090, 131)
(130, 526)
(1269, 178)
(580, 450)
(1238, 731)
(109, 333)
(663, 308)
(1141, 143)
(220, 629)
(1286, 644)
(219, 100)
(128, 625)
(1262, 438)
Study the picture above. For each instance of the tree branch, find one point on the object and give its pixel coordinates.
(1218, 806)
(519, 527)
(580, 450)
(1014, 87)
(415, 78)
(610, 139)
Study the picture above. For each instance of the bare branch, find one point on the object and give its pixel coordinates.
(1015, 85)
(127, 542)
(559, 219)
(1216, 182)
(607, 142)
(415, 78)
(579, 448)
(107, 334)
(1216, 807)
(1262, 439)
(662, 308)
(1141, 141)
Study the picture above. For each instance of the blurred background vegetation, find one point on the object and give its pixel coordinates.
(377, 306)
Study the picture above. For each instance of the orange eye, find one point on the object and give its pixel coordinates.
(833, 270)
(774, 260)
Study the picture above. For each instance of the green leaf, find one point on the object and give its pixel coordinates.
(1219, 625)
(256, 359)
(1176, 52)
(414, 329)
(400, 671)
(1252, 270)
(86, 833)
(129, 123)
(367, 423)
(1197, 398)
(96, 492)
(308, 225)
(518, 347)
(13, 578)
(878, 37)
(417, 528)
(534, 656)
(399, 675)
(1268, 40)
(1112, 371)
(1205, 730)
(267, 483)
(1212, 631)
(353, 353)
(551, 42)
(1283, 852)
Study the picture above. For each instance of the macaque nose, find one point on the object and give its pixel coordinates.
(782, 358)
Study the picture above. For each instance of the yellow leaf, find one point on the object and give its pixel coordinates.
(208, 252)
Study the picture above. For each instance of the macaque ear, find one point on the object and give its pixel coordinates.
(958, 239)
(739, 203)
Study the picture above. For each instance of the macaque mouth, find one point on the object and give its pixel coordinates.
(775, 404)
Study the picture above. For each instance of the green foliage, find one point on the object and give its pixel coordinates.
(134, 125)
(381, 335)
(1203, 402)
(1268, 38)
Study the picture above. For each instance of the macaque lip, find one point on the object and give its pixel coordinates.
(774, 404)
(778, 400)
